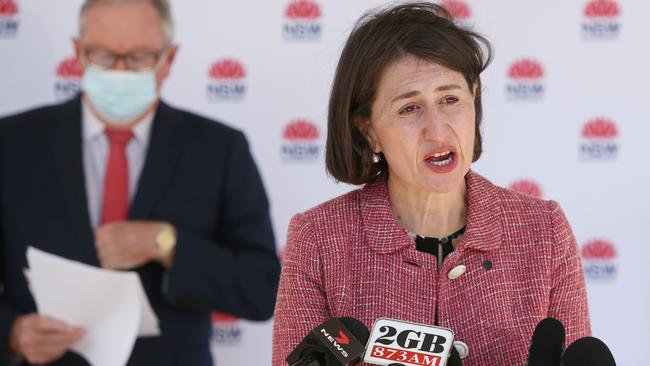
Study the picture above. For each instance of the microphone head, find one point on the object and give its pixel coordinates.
(547, 343)
(336, 342)
(309, 352)
(402, 342)
(356, 327)
(454, 358)
(588, 351)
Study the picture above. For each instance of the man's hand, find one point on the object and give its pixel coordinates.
(41, 339)
(127, 244)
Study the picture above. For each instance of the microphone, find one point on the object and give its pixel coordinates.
(588, 351)
(454, 358)
(336, 342)
(547, 343)
(399, 343)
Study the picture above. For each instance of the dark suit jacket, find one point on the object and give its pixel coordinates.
(198, 175)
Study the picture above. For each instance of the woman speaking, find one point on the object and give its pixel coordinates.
(426, 239)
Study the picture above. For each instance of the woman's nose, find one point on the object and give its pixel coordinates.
(434, 126)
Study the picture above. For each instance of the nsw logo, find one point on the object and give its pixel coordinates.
(68, 78)
(601, 20)
(599, 260)
(458, 9)
(8, 18)
(599, 140)
(526, 80)
(226, 329)
(226, 81)
(302, 21)
(527, 186)
(300, 141)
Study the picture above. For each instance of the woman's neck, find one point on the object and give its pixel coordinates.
(427, 213)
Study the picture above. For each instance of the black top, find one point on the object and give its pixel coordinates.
(440, 247)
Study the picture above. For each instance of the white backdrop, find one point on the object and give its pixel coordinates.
(565, 118)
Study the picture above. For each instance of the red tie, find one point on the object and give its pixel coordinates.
(116, 181)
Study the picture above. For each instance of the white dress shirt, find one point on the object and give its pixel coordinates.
(95, 147)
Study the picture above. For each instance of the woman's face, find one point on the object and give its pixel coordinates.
(422, 120)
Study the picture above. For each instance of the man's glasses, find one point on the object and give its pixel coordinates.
(136, 60)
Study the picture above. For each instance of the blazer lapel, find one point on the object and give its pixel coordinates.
(65, 138)
(163, 152)
(484, 215)
(380, 228)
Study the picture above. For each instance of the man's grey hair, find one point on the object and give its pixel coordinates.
(162, 6)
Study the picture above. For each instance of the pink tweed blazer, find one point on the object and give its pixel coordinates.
(349, 257)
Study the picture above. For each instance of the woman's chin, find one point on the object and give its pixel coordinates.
(445, 183)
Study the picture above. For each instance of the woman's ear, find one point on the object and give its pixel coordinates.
(365, 127)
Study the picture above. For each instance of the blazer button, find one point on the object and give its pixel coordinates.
(462, 348)
(456, 272)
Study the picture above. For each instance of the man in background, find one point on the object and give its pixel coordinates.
(117, 178)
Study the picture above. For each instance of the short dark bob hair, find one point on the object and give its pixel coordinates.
(381, 37)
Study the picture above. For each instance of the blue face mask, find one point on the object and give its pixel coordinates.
(119, 96)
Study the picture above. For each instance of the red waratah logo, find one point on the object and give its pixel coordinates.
(227, 69)
(303, 9)
(602, 9)
(300, 141)
(69, 68)
(301, 130)
(457, 8)
(598, 249)
(68, 76)
(218, 317)
(8, 8)
(526, 69)
(599, 128)
(528, 187)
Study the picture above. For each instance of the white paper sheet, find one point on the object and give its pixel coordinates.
(111, 306)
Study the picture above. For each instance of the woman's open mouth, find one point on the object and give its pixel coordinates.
(442, 161)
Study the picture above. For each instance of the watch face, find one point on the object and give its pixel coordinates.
(165, 240)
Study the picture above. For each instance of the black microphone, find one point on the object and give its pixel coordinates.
(337, 342)
(547, 343)
(454, 358)
(588, 351)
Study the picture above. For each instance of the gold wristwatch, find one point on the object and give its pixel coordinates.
(165, 241)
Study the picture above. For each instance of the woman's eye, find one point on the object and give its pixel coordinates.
(408, 109)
